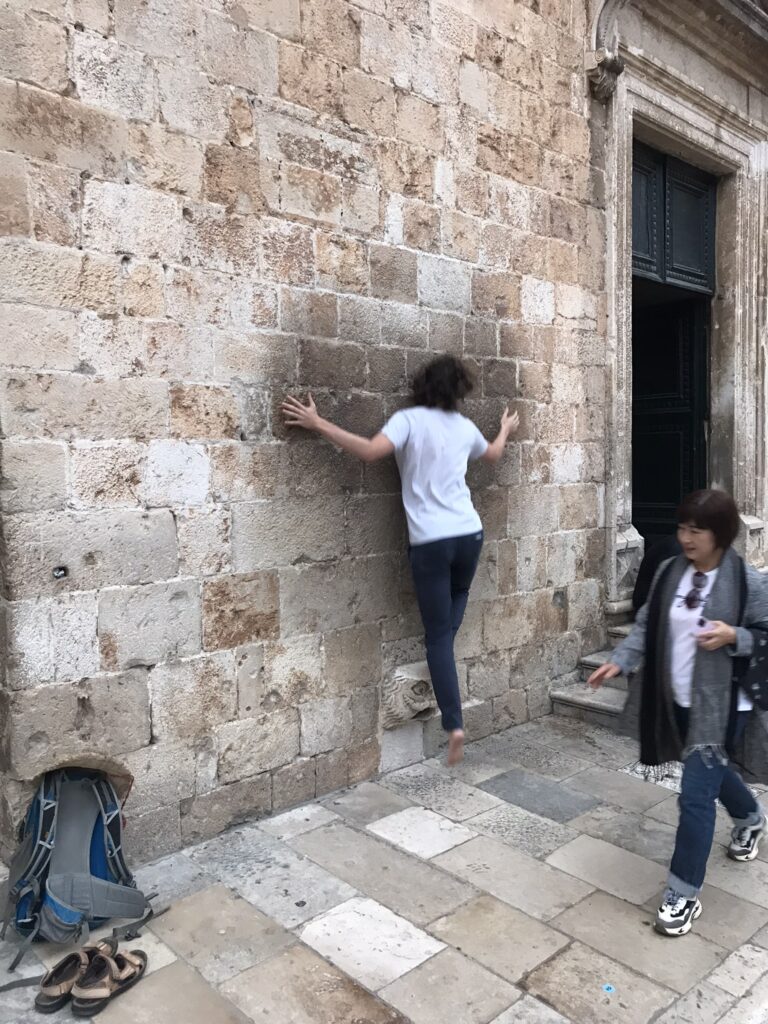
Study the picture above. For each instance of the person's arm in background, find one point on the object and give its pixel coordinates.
(307, 417)
(509, 425)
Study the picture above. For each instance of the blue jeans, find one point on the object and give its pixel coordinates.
(705, 780)
(443, 571)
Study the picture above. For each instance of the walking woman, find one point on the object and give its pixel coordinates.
(705, 611)
(432, 443)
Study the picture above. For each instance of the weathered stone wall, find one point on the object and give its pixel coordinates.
(204, 205)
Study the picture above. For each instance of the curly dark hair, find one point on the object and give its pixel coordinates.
(713, 510)
(442, 384)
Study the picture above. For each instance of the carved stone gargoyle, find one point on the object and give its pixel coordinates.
(406, 693)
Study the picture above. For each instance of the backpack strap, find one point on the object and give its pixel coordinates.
(113, 831)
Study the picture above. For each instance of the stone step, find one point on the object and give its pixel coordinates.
(590, 662)
(617, 634)
(602, 707)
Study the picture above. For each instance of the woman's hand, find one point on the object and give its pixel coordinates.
(299, 415)
(606, 671)
(719, 634)
(509, 423)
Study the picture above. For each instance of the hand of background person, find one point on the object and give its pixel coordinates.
(719, 634)
(299, 415)
(510, 422)
(606, 671)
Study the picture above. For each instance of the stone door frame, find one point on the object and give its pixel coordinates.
(659, 106)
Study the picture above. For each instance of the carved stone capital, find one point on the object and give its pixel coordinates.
(603, 68)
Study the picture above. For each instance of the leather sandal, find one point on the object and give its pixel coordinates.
(56, 986)
(106, 978)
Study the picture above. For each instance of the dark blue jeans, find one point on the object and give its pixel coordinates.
(705, 780)
(442, 575)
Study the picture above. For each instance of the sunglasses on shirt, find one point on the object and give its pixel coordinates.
(693, 598)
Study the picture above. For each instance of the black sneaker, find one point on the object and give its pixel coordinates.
(676, 914)
(745, 841)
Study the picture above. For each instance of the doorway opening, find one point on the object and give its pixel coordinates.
(673, 219)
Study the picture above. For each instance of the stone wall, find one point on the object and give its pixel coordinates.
(205, 205)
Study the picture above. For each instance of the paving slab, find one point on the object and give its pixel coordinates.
(159, 955)
(369, 942)
(478, 765)
(739, 972)
(520, 752)
(761, 938)
(420, 892)
(624, 932)
(610, 868)
(176, 994)
(527, 884)
(752, 1009)
(584, 740)
(501, 938)
(530, 1011)
(421, 832)
(726, 920)
(220, 934)
(618, 788)
(539, 795)
(366, 803)
(450, 987)
(299, 987)
(574, 983)
(748, 881)
(265, 871)
(704, 1004)
(440, 793)
(636, 833)
(534, 835)
(173, 878)
(298, 821)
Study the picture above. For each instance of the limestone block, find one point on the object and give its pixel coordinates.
(294, 784)
(233, 178)
(164, 159)
(51, 276)
(98, 549)
(330, 365)
(584, 605)
(14, 199)
(56, 203)
(50, 725)
(575, 303)
(443, 284)
(217, 240)
(496, 294)
(361, 209)
(94, 14)
(279, 532)
(369, 104)
(239, 609)
(33, 50)
(404, 326)
(352, 659)
(325, 725)
(342, 263)
(360, 319)
(239, 55)
(256, 745)
(278, 16)
(160, 28)
(418, 121)
(64, 131)
(256, 358)
(287, 253)
(406, 693)
(421, 226)
(249, 671)
(204, 412)
(177, 473)
(203, 817)
(579, 507)
(310, 80)
(292, 672)
(510, 709)
(163, 774)
(143, 286)
(342, 593)
(310, 194)
(191, 697)
(537, 301)
(461, 236)
(244, 472)
(474, 88)
(113, 77)
(204, 541)
(446, 333)
(387, 50)
(393, 273)
(34, 476)
(106, 474)
(51, 640)
(132, 219)
(402, 745)
(149, 836)
(308, 312)
(145, 625)
(191, 104)
(405, 169)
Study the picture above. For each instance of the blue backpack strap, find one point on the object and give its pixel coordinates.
(113, 830)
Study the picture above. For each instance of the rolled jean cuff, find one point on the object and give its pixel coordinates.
(685, 889)
(754, 819)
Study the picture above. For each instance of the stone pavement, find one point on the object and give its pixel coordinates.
(518, 888)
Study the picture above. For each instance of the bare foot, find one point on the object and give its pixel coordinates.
(456, 747)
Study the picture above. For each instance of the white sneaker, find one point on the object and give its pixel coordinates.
(676, 914)
(745, 841)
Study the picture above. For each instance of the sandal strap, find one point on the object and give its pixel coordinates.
(77, 962)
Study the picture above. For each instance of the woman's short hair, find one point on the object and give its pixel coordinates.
(442, 384)
(712, 510)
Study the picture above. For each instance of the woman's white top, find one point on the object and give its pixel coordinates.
(432, 449)
(684, 630)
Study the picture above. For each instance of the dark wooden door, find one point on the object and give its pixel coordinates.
(669, 421)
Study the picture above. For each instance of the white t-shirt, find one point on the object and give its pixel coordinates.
(684, 629)
(432, 449)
